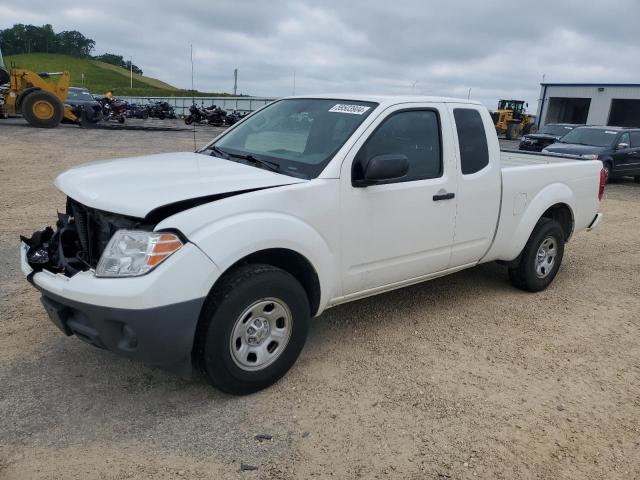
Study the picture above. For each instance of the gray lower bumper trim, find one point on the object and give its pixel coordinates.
(159, 336)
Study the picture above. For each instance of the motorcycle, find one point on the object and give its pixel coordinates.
(161, 110)
(137, 111)
(114, 109)
(234, 117)
(216, 116)
(196, 114)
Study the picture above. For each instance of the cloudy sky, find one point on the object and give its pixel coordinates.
(498, 49)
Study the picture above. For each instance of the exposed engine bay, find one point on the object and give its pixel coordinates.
(80, 237)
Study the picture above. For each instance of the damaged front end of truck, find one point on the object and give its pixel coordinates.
(78, 240)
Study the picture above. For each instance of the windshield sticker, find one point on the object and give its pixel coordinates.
(354, 109)
(610, 132)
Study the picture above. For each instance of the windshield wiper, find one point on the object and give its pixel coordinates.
(273, 166)
(219, 151)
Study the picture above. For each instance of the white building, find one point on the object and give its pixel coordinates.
(590, 103)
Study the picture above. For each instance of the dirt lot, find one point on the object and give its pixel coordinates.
(462, 377)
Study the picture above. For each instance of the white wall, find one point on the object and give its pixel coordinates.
(600, 101)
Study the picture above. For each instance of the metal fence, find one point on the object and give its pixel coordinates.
(182, 104)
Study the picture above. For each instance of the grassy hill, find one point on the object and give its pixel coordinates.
(98, 76)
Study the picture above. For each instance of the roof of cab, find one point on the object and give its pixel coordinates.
(387, 99)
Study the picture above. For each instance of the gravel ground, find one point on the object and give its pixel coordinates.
(461, 377)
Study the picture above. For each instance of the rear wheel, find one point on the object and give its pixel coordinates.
(513, 131)
(541, 257)
(252, 329)
(42, 109)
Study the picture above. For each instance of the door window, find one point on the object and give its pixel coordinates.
(624, 138)
(472, 139)
(413, 133)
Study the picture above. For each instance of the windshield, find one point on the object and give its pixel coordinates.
(80, 95)
(299, 136)
(597, 137)
(557, 130)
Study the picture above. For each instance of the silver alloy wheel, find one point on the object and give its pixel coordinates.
(261, 333)
(546, 257)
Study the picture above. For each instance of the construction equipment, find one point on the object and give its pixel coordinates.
(40, 102)
(512, 120)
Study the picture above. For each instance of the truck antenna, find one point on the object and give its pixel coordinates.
(193, 101)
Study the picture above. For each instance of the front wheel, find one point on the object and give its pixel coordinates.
(252, 329)
(606, 166)
(42, 109)
(541, 257)
(188, 120)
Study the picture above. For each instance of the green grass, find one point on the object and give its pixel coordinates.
(98, 76)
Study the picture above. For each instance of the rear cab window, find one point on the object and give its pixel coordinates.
(472, 140)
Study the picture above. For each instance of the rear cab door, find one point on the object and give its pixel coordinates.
(479, 183)
(401, 229)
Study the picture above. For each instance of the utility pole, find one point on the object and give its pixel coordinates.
(469, 94)
(131, 70)
(413, 87)
(294, 82)
(235, 82)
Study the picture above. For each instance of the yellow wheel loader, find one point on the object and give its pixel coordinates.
(40, 102)
(511, 119)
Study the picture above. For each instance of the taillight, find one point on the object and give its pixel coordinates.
(603, 182)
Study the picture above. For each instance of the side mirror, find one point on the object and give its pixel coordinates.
(622, 146)
(382, 168)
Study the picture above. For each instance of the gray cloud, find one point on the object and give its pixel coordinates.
(495, 48)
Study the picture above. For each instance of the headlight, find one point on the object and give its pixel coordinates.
(130, 253)
(589, 157)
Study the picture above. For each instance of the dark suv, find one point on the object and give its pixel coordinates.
(617, 147)
(548, 134)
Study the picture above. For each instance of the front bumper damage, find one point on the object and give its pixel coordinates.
(151, 318)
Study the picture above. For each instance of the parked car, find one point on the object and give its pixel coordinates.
(617, 147)
(219, 258)
(548, 134)
(80, 100)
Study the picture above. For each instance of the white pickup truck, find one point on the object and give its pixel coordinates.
(219, 258)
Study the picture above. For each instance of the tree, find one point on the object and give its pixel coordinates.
(118, 60)
(30, 38)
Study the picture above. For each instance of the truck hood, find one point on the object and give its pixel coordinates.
(574, 149)
(137, 186)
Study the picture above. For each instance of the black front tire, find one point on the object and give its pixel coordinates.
(188, 120)
(607, 171)
(238, 290)
(524, 274)
(52, 104)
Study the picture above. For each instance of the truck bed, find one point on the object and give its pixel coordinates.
(519, 158)
(528, 180)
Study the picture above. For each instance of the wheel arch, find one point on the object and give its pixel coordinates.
(23, 95)
(288, 260)
(555, 201)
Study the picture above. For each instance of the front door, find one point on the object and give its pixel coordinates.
(401, 229)
(622, 157)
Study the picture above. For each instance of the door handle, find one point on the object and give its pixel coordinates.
(443, 196)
